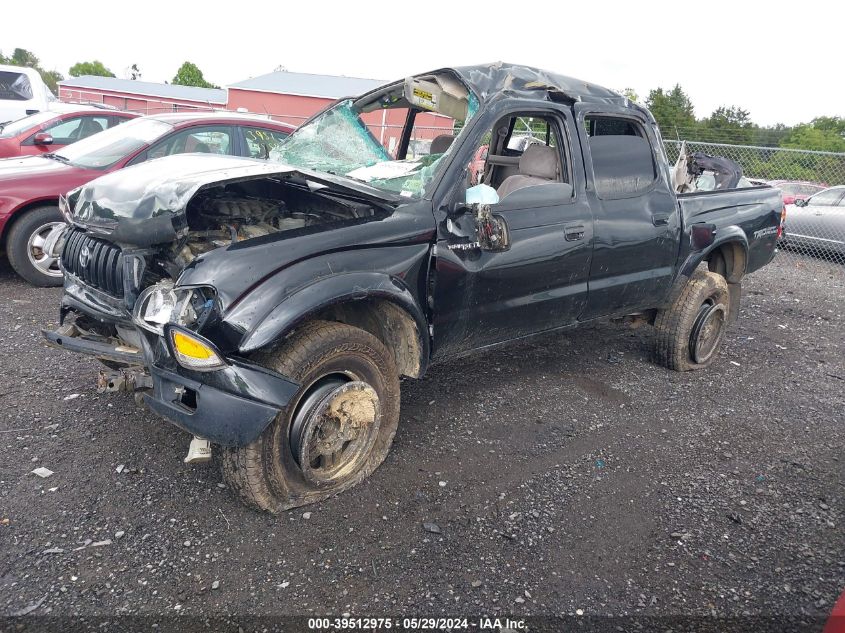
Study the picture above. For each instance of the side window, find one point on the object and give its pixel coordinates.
(114, 121)
(827, 198)
(203, 140)
(65, 132)
(260, 141)
(14, 86)
(521, 150)
(623, 161)
(92, 125)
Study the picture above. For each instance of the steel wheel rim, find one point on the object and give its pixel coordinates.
(334, 430)
(707, 331)
(44, 262)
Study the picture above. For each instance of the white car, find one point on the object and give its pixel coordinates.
(22, 92)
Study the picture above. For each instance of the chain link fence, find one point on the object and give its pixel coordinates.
(813, 187)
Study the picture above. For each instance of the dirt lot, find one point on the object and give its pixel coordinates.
(566, 473)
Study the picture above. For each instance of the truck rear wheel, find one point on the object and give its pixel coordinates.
(336, 430)
(689, 333)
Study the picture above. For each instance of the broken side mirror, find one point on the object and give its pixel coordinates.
(476, 222)
(492, 230)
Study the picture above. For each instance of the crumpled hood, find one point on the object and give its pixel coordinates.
(146, 204)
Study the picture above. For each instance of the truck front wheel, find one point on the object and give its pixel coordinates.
(336, 430)
(689, 333)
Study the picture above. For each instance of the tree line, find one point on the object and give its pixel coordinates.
(188, 73)
(674, 112)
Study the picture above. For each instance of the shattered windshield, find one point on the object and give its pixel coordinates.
(364, 142)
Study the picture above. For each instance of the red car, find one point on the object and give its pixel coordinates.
(476, 165)
(793, 190)
(30, 221)
(51, 130)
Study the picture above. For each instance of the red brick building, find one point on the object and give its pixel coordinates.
(284, 96)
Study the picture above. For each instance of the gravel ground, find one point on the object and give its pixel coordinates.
(562, 474)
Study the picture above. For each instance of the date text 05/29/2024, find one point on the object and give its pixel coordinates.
(416, 624)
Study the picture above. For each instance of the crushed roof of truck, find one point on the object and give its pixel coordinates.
(487, 80)
(499, 80)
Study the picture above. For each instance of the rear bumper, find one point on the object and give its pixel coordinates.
(231, 406)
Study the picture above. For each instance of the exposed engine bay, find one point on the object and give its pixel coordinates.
(221, 216)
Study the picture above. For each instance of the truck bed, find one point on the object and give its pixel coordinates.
(753, 210)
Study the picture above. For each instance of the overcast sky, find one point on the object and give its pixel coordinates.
(782, 63)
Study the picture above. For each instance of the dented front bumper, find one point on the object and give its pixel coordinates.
(231, 406)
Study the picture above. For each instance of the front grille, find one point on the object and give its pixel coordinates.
(96, 262)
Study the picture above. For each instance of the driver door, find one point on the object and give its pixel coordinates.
(540, 282)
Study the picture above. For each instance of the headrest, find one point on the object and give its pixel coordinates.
(441, 143)
(539, 161)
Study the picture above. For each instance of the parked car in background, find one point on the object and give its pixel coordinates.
(796, 189)
(51, 130)
(30, 187)
(22, 92)
(817, 225)
(476, 165)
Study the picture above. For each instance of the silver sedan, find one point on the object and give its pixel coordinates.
(817, 225)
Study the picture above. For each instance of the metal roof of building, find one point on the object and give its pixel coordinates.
(147, 88)
(308, 85)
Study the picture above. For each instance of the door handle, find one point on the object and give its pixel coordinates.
(574, 232)
(661, 219)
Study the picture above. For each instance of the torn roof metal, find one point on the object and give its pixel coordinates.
(488, 79)
(499, 80)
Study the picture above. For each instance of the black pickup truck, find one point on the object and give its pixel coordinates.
(271, 308)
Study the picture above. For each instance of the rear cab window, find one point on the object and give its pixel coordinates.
(621, 155)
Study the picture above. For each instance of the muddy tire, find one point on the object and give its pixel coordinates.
(337, 429)
(23, 246)
(689, 333)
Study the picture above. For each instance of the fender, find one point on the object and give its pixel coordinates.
(328, 291)
(723, 236)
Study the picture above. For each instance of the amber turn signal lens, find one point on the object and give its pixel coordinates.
(193, 353)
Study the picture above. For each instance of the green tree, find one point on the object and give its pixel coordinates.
(630, 93)
(23, 57)
(189, 75)
(51, 79)
(90, 68)
(770, 136)
(728, 125)
(673, 112)
(825, 134)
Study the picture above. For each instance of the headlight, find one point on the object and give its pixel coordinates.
(194, 352)
(162, 303)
